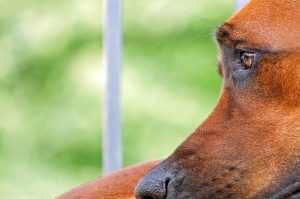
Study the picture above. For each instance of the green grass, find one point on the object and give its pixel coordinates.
(51, 86)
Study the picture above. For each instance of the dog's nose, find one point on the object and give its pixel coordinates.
(154, 185)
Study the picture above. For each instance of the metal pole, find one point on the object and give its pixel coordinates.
(241, 3)
(112, 155)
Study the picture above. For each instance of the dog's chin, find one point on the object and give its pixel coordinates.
(291, 191)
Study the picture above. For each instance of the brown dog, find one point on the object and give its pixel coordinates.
(249, 147)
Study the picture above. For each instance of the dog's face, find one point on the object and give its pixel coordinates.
(249, 147)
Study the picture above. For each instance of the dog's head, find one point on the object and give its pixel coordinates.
(249, 147)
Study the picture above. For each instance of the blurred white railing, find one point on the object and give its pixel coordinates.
(241, 3)
(112, 139)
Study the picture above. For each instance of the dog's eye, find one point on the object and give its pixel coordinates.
(247, 59)
(240, 63)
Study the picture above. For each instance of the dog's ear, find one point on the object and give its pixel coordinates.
(117, 185)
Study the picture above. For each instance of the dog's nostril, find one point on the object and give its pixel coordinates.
(150, 188)
(166, 185)
(147, 197)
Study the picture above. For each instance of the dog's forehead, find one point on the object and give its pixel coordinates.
(270, 24)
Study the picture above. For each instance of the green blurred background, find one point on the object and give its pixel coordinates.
(51, 86)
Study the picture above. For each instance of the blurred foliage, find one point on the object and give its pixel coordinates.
(51, 86)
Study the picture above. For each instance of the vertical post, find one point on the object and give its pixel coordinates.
(240, 4)
(112, 155)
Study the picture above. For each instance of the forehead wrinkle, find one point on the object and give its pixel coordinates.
(237, 37)
(225, 34)
(270, 24)
(222, 33)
